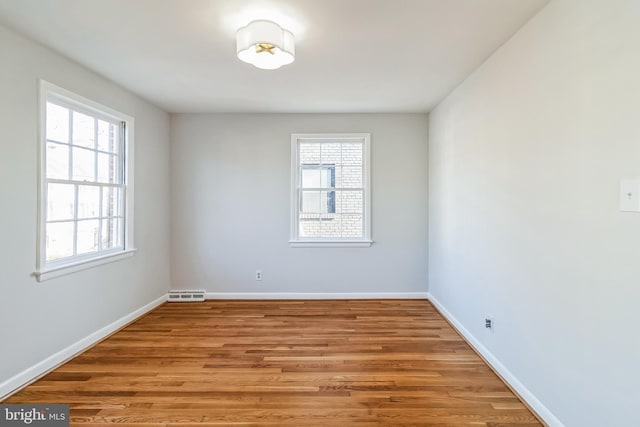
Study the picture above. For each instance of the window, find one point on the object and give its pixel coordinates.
(330, 190)
(85, 186)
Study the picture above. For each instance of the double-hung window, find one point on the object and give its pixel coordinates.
(85, 183)
(330, 200)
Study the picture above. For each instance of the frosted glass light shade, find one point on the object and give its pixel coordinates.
(265, 44)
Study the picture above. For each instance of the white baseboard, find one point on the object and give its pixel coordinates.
(523, 392)
(39, 369)
(316, 295)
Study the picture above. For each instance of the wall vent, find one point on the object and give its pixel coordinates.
(186, 296)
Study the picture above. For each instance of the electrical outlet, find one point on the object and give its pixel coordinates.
(258, 275)
(630, 195)
(488, 322)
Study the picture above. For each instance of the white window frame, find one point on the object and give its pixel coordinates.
(318, 242)
(49, 270)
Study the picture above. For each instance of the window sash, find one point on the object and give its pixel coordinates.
(101, 217)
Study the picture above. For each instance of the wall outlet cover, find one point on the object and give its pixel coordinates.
(630, 195)
(488, 322)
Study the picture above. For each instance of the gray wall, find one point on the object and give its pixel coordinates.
(40, 319)
(231, 206)
(525, 162)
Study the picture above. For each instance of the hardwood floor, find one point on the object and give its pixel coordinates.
(283, 363)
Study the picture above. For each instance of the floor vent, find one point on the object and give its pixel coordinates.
(186, 296)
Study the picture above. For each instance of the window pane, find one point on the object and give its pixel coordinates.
(352, 154)
(59, 242)
(328, 201)
(327, 177)
(331, 153)
(115, 170)
(116, 140)
(352, 226)
(111, 202)
(331, 226)
(88, 201)
(309, 153)
(57, 161)
(111, 233)
(318, 202)
(83, 164)
(108, 170)
(318, 177)
(352, 177)
(310, 202)
(83, 130)
(309, 225)
(104, 136)
(107, 137)
(57, 123)
(87, 236)
(310, 178)
(103, 167)
(60, 201)
(349, 202)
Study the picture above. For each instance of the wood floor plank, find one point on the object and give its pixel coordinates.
(283, 363)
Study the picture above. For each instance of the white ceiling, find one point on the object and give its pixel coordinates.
(351, 55)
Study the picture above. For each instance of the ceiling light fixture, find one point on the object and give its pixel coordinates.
(265, 44)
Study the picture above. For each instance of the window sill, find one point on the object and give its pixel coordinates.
(63, 270)
(331, 243)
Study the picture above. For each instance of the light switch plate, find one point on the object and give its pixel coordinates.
(630, 195)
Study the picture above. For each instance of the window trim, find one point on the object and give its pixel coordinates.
(44, 271)
(316, 242)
